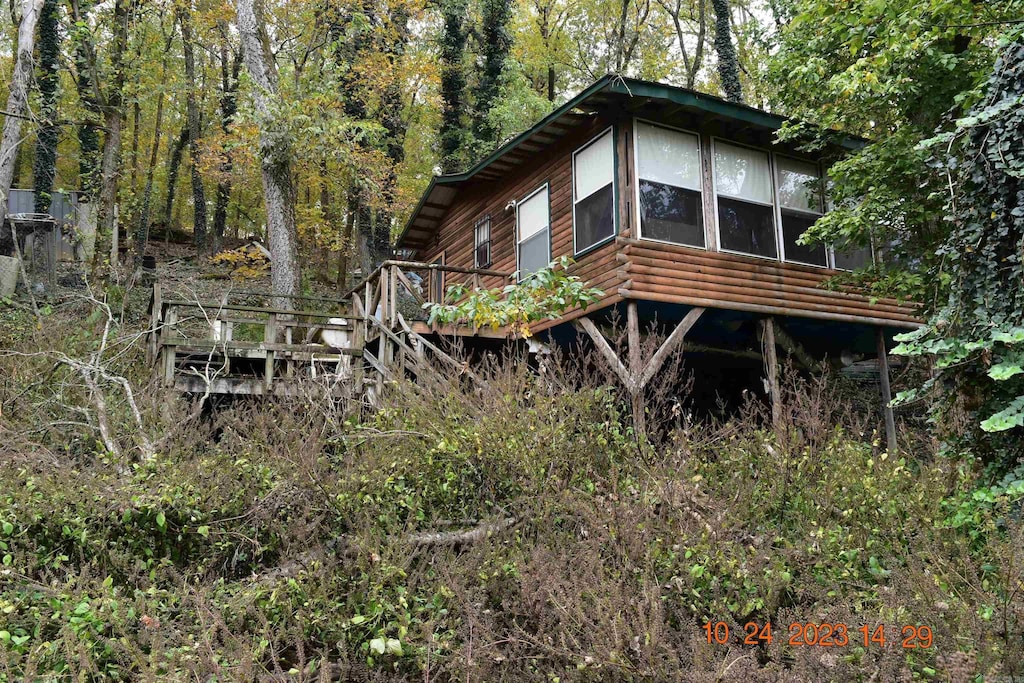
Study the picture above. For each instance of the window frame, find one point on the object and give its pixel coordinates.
(490, 242)
(636, 189)
(545, 186)
(780, 236)
(776, 227)
(577, 252)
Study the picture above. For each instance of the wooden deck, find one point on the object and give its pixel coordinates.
(352, 345)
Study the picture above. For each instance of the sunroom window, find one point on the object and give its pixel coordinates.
(743, 188)
(533, 232)
(593, 171)
(799, 193)
(668, 170)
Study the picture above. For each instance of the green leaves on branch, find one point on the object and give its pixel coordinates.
(545, 294)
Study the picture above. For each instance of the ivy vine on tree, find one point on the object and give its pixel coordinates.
(977, 337)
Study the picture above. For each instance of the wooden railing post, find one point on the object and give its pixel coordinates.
(170, 319)
(393, 285)
(269, 337)
(358, 344)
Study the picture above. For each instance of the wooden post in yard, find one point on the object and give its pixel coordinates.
(883, 378)
(771, 361)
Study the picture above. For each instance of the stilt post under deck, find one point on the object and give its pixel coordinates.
(636, 369)
(771, 361)
(636, 378)
(883, 377)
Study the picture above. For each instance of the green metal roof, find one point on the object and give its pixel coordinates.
(441, 191)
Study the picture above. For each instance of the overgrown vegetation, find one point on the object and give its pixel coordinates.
(521, 535)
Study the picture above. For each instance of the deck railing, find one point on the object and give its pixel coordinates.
(244, 344)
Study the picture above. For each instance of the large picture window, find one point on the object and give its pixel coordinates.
(533, 232)
(743, 187)
(593, 175)
(668, 173)
(799, 193)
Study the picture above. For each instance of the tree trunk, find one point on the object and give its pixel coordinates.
(728, 64)
(142, 229)
(110, 166)
(228, 109)
(346, 246)
(275, 155)
(17, 99)
(391, 118)
(88, 146)
(497, 41)
(173, 168)
(194, 129)
(43, 170)
(453, 84)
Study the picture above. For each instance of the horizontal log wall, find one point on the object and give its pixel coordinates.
(677, 274)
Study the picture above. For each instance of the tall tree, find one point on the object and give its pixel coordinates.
(394, 125)
(230, 63)
(728, 64)
(44, 168)
(194, 127)
(497, 41)
(692, 62)
(275, 154)
(453, 84)
(177, 153)
(107, 92)
(142, 228)
(17, 99)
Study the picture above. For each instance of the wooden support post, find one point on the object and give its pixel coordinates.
(794, 349)
(883, 377)
(634, 387)
(670, 345)
(771, 361)
(269, 337)
(606, 351)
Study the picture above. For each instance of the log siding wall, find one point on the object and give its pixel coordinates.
(631, 268)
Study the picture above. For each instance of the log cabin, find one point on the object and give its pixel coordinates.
(683, 209)
(680, 207)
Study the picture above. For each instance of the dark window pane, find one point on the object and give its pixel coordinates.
(483, 254)
(594, 219)
(533, 254)
(853, 259)
(671, 214)
(794, 225)
(746, 227)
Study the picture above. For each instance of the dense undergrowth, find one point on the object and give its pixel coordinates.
(302, 540)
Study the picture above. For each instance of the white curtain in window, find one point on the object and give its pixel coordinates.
(668, 156)
(742, 173)
(797, 181)
(533, 215)
(595, 166)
